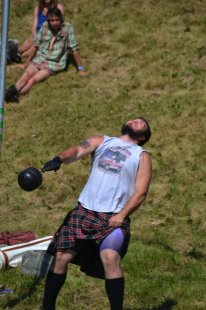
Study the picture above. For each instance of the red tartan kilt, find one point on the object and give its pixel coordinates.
(83, 230)
(84, 224)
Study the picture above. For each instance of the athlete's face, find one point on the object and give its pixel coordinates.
(137, 129)
(137, 124)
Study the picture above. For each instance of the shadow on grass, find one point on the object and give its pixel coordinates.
(194, 253)
(12, 303)
(168, 304)
(36, 263)
(158, 243)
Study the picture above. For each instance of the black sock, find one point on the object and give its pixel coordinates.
(115, 292)
(54, 283)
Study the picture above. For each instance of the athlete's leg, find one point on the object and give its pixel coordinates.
(113, 241)
(56, 278)
(110, 250)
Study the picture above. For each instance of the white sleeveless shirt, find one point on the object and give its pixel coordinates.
(113, 174)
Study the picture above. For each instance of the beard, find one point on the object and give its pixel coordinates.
(137, 134)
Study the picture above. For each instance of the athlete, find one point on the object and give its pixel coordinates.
(95, 234)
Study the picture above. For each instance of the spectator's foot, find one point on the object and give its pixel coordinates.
(12, 94)
(2, 287)
(18, 58)
(6, 291)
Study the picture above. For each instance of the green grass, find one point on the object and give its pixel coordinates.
(143, 58)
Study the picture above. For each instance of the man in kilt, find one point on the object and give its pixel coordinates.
(95, 234)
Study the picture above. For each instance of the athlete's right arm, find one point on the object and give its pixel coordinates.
(73, 153)
(86, 147)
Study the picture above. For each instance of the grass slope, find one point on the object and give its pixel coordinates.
(143, 58)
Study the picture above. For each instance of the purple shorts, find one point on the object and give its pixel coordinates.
(114, 241)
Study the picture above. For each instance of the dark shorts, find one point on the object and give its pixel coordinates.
(83, 231)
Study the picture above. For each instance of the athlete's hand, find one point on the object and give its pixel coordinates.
(53, 164)
(116, 220)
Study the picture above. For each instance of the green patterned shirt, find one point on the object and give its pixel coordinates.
(54, 56)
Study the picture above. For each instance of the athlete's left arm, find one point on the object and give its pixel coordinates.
(143, 179)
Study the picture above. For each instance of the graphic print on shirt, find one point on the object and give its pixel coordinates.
(112, 160)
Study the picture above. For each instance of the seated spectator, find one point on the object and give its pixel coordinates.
(40, 16)
(52, 44)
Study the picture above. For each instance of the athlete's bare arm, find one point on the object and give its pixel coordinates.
(86, 147)
(143, 179)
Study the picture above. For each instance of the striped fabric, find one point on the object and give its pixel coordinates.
(54, 57)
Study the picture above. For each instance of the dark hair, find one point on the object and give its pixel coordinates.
(55, 12)
(41, 4)
(143, 133)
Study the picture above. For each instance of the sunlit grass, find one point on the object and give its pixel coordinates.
(143, 58)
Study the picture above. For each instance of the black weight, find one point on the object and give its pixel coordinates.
(29, 179)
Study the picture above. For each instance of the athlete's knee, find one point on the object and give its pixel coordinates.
(110, 259)
(65, 257)
(111, 263)
(61, 261)
(62, 258)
